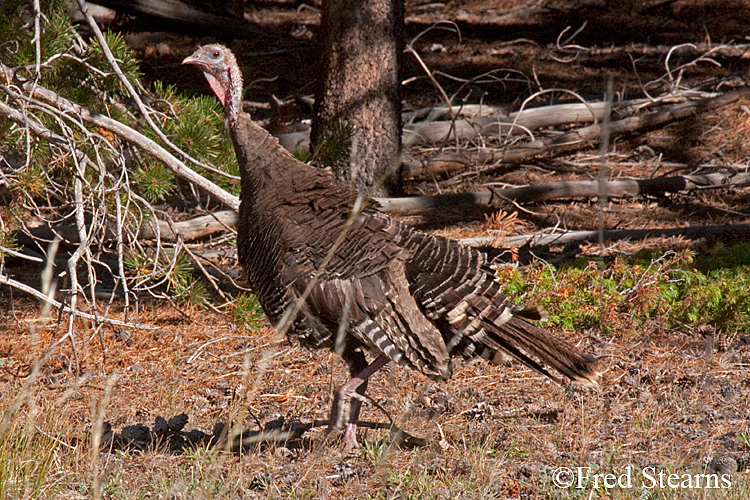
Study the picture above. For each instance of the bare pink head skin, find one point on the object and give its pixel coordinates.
(220, 68)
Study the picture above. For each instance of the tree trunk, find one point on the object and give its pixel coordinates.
(358, 94)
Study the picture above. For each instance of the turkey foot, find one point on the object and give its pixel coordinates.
(348, 402)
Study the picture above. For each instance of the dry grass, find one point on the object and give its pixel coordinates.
(492, 432)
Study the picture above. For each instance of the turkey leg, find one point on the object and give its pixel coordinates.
(349, 397)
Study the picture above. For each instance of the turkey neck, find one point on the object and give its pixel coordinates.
(258, 155)
(267, 170)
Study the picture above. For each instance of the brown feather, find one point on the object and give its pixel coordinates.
(416, 298)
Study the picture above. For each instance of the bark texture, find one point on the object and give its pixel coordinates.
(359, 59)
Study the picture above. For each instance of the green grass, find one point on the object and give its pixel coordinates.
(673, 288)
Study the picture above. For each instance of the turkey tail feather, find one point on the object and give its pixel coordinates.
(534, 313)
(535, 347)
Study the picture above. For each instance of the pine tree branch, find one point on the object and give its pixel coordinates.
(134, 95)
(151, 147)
(44, 133)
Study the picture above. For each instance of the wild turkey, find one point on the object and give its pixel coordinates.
(332, 262)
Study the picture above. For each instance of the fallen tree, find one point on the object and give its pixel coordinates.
(736, 232)
(525, 121)
(465, 129)
(569, 141)
(570, 189)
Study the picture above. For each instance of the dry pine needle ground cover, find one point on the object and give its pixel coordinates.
(492, 432)
(673, 399)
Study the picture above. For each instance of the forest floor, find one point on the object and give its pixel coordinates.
(671, 402)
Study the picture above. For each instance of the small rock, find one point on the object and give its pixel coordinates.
(177, 422)
(723, 464)
(283, 452)
(160, 425)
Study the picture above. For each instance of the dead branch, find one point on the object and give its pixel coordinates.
(569, 141)
(5, 280)
(569, 189)
(740, 51)
(736, 232)
(177, 11)
(514, 123)
(193, 229)
(578, 138)
(443, 112)
(189, 230)
(467, 129)
(176, 166)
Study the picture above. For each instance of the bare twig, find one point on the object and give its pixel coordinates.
(5, 280)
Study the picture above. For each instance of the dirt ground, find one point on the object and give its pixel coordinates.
(492, 432)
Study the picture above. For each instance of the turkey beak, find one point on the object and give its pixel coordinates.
(192, 59)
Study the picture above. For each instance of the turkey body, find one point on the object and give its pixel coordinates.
(303, 245)
(332, 271)
(416, 298)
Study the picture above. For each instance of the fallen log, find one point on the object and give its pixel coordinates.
(736, 232)
(569, 189)
(189, 230)
(569, 141)
(192, 229)
(470, 128)
(444, 112)
(180, 12)
(577, 138)
(515, 123)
